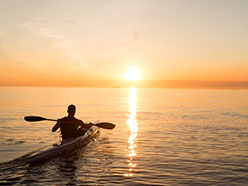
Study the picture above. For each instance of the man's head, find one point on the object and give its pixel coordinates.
(71, 110)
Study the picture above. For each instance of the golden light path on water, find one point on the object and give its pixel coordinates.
(133, 125)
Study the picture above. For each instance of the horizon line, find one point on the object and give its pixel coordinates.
(167, 84)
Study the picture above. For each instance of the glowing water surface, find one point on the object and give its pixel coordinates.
(133, 125)
(162, 136)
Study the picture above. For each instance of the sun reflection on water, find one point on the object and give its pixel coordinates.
(133, 125)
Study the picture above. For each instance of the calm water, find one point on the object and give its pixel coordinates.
(162, 137)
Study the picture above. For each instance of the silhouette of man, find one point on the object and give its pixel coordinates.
(70, 126)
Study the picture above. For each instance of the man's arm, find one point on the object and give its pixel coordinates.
(85, 126)
(56, 126)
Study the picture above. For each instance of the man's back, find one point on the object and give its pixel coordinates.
(69, 127)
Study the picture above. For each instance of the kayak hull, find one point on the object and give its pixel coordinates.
(66, 146)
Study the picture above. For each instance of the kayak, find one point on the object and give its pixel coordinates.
(66, 146)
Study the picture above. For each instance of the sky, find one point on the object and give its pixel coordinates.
(91, 42)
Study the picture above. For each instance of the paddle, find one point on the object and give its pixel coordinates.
(104, 125)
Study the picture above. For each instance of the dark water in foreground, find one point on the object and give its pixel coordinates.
(162, 137)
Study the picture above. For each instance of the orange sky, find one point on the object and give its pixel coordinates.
(91, 43)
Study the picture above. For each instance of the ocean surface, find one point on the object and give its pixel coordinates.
(162, 136)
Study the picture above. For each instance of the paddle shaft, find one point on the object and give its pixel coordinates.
(105, 125)
(51, 119)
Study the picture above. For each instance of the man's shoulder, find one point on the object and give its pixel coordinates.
(69, 119)
(64, 118)
(78, 120)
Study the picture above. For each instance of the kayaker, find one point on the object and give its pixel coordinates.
(70, 126)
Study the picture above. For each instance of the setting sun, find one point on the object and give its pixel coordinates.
(132, 74)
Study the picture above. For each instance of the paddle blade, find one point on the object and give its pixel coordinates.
(34, 118)
(105, 125)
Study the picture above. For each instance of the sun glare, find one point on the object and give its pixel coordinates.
(132, 74)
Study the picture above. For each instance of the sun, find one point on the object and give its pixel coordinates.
(132, 74)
